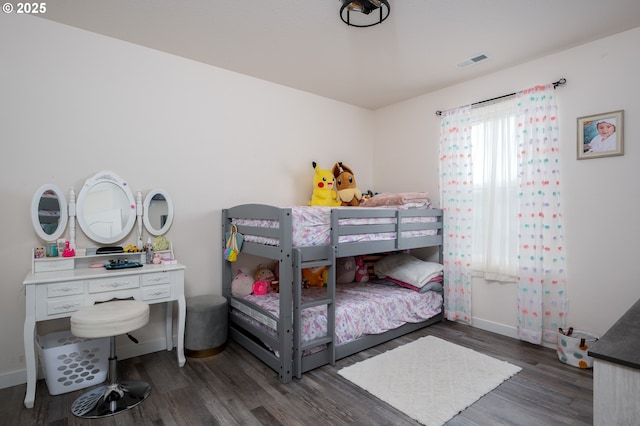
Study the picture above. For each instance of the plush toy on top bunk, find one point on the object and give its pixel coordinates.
(324, 193)
(348, 192)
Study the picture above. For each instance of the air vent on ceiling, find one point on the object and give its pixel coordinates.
(471, 61)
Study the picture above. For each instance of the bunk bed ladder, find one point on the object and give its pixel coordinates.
(322, 256)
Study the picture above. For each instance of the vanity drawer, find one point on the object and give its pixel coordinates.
(156, 292)
(50, 265)
(63, 306)
(114, 283)
(65, 289)
(156, 278)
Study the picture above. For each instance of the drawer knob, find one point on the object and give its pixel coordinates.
(64, 289)
(67, 306)
(116, 284)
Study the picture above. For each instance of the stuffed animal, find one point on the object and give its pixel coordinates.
(242, 284)
(275, 284)
(324, 193)
(315, 276)
(264, 273)
(348, 192)
(361, 275)
(260, 288)
(345, 270)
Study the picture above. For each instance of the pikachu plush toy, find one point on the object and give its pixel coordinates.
(324, 191)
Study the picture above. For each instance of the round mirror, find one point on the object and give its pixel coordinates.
(49, 212)
(106, 209)
(158, 212)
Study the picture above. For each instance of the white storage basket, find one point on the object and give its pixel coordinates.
(71, 363)
(573, 347)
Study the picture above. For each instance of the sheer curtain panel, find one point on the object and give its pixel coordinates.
(500, 193)
(456, 195)
(542, 302)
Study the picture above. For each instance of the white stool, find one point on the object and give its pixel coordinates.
(110, 319)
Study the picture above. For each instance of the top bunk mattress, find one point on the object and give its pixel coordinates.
(311, 226)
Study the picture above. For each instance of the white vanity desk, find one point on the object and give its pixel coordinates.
(59, 293)
(106, 212)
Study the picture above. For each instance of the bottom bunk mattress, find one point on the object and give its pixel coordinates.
(361, 309)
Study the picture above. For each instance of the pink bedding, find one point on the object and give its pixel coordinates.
(361, 308)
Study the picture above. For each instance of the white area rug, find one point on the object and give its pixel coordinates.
(430, 379)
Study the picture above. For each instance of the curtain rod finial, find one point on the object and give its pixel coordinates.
(559, 82)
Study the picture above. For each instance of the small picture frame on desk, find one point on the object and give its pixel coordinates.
(600, 135)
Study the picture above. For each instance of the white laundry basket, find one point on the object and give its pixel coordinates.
(71, 363)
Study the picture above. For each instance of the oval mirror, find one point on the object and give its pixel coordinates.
(158, 212)
(49, 212)
(106, 209)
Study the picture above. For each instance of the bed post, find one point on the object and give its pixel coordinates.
(226, 266)
(285, 325)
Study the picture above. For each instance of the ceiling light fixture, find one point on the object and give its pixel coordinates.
(364, 9)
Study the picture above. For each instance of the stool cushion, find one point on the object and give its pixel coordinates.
(109, 319)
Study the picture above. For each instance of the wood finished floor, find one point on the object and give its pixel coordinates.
(234, 388)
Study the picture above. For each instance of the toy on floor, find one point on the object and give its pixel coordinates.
(324, 193)
(346, 187)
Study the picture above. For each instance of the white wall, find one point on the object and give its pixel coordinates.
(75, 103)
(600, 196)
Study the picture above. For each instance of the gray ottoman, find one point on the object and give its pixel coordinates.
(205, 331)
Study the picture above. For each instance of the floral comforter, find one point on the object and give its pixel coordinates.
(361, 308)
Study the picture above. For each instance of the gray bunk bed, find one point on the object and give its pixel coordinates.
(276, 339)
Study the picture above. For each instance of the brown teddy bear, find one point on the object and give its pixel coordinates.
(348, 192)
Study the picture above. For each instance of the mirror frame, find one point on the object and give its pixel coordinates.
(35, 217)
(145, 217)
(98, 178)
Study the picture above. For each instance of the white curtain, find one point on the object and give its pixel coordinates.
(542, 302)
(456, 199)
(500, 192)
(495, 184)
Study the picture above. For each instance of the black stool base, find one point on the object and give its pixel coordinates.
(108, 400)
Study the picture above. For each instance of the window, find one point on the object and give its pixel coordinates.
(495, 191)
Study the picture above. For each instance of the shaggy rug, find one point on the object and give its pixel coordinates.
(430, 379)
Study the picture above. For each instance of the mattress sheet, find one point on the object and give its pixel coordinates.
(312, 227)
(361, 308)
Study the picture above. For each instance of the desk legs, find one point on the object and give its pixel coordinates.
(182, 311)
(30, 359)
(169, 329)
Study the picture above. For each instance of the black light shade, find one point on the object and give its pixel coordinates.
(364, 7)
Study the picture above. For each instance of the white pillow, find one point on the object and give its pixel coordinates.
(407, 268)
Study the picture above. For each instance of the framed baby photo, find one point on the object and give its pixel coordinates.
(601, 135)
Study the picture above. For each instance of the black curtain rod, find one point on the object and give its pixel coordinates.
(555, 85)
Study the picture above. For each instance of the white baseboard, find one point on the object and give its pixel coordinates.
(19, 377)
(504, 330)
(495, 327)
